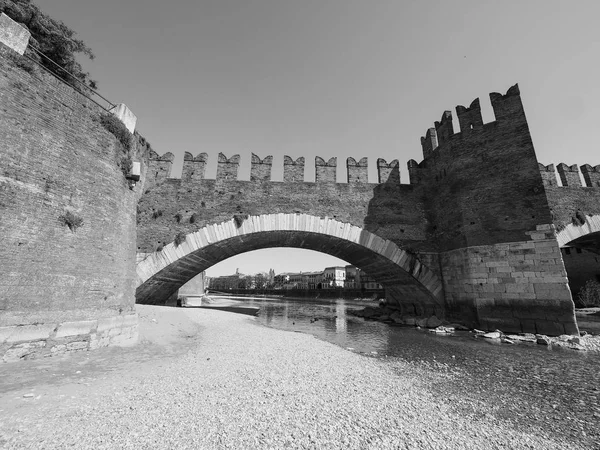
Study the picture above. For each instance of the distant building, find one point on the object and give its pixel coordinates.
(333, 277)
(352, 280)
(314, 280)
(228, 282)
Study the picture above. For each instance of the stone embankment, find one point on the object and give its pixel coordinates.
(382, 313)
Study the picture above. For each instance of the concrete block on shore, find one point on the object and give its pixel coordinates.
(75, 328)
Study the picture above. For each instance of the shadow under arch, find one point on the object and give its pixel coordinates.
(409, 284)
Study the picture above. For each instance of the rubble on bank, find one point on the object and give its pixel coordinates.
(383, 313)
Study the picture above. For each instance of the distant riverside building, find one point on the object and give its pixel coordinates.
(352, 280)
(314, 280)
(228, 282)
(333, 277)
(337, 277)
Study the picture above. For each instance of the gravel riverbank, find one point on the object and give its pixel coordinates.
(215, 380)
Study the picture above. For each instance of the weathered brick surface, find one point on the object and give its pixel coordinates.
(378, 208)
(57, 158)
(482, 185)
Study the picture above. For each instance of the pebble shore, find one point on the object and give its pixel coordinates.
(203, 379)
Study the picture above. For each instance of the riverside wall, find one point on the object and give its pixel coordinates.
(67, 220)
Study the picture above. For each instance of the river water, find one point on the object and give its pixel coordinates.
(528, 385)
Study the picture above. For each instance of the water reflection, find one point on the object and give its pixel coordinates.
(534, 385)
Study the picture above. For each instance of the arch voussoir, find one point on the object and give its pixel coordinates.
(174, 265)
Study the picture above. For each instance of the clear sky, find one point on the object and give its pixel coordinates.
(338, 77)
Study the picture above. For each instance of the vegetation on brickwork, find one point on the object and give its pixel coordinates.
(22, 63)
(579, 218)
(71, 220)
(178, 217)
(125, 164)
(179, 239)
(589, 295)
(53, 38)
(157, 213)
(193, 218)
(118, 129)
(160, 247)
(239, 219)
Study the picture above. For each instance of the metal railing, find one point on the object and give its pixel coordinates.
(85, 90)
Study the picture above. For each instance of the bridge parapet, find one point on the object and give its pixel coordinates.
(325, 171)
(548, 174)
(358, 171)
(159, 167)
(507, 108)
(591, 175)
(388, 172)
(260, 169)
(569, 175)
(194, 168)
(293, 171)
(227, 169)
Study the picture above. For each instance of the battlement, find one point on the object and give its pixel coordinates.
(569, 175)
(358, 172)
(325, 171)
(548, 174)
(591, 175)
(194, 168)
(159, 167)
(260, 169)
(227, 169)
(414, 171)
(388, 172)
(293, 171)
(507, 107)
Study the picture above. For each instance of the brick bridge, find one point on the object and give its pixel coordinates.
(472, 237)
(482, 234)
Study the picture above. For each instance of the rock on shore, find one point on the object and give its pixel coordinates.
(586, 342)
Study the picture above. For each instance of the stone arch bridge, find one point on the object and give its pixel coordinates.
(471, 237)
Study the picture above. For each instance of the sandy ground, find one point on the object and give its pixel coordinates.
(216, 380)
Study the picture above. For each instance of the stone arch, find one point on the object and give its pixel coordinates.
(410, 285)
(577, 233)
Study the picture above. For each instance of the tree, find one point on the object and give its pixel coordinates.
(53, 38)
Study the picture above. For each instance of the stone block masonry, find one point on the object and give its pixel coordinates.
(13, 35)
(515, 287)
(67, 220)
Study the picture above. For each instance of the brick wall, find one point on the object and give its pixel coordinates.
(60, 289)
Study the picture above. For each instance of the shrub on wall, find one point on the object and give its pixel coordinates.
(118, 129)
(53, 38)
(589, 295)
(71, 220)
(179, 239)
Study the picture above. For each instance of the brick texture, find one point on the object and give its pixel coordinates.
(56, 158)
